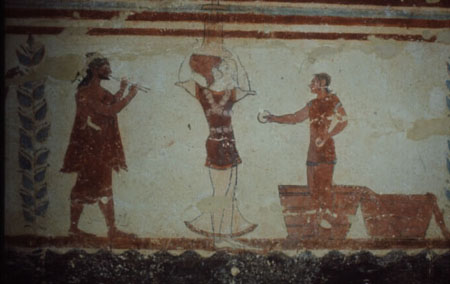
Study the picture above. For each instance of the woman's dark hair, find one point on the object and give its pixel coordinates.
(96, 63)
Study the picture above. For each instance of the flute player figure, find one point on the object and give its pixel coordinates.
(327, 118)
(95, 148)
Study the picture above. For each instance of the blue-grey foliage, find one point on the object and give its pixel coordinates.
(33, 133)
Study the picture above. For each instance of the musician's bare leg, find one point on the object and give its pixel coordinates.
(76, 208)
(107, 207)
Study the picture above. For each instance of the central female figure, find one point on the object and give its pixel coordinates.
(220, 218)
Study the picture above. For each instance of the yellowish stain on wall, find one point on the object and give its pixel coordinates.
(424, 128)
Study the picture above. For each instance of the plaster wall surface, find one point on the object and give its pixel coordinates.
(388, 67)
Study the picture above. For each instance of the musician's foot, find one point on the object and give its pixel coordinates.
(116, 233)
(79, 233)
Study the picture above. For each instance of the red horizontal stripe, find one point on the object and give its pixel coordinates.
(229, 18)
(255, 34)
(289, 20)
(33, 30)
(398, 3)
(29, 241)
(61, 13)
(226, 34)
(145, 32)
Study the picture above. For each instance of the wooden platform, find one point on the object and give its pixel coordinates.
(386, 216)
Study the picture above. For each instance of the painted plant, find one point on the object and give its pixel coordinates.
(33, 132)
(447, 98)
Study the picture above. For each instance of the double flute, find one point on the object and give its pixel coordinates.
(140, 87)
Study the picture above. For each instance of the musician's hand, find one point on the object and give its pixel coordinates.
(123, 83)
(133, 90)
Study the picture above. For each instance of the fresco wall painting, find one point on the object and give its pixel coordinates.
(101, 159)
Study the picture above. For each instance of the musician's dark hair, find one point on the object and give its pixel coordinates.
(96, 63)
(325, 77)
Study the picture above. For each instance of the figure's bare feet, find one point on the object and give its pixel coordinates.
(116, 233)
(80, 233)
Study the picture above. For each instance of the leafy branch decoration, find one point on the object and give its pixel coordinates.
(447, 99)
(33, 133)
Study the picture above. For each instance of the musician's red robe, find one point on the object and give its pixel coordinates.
(94, 153)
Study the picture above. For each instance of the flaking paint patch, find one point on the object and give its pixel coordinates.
(147, 50)
(120, 20)
(382, 48)
(74, 31)
(444, 37)
(427, 34)
(424, 128)
(320, 52)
